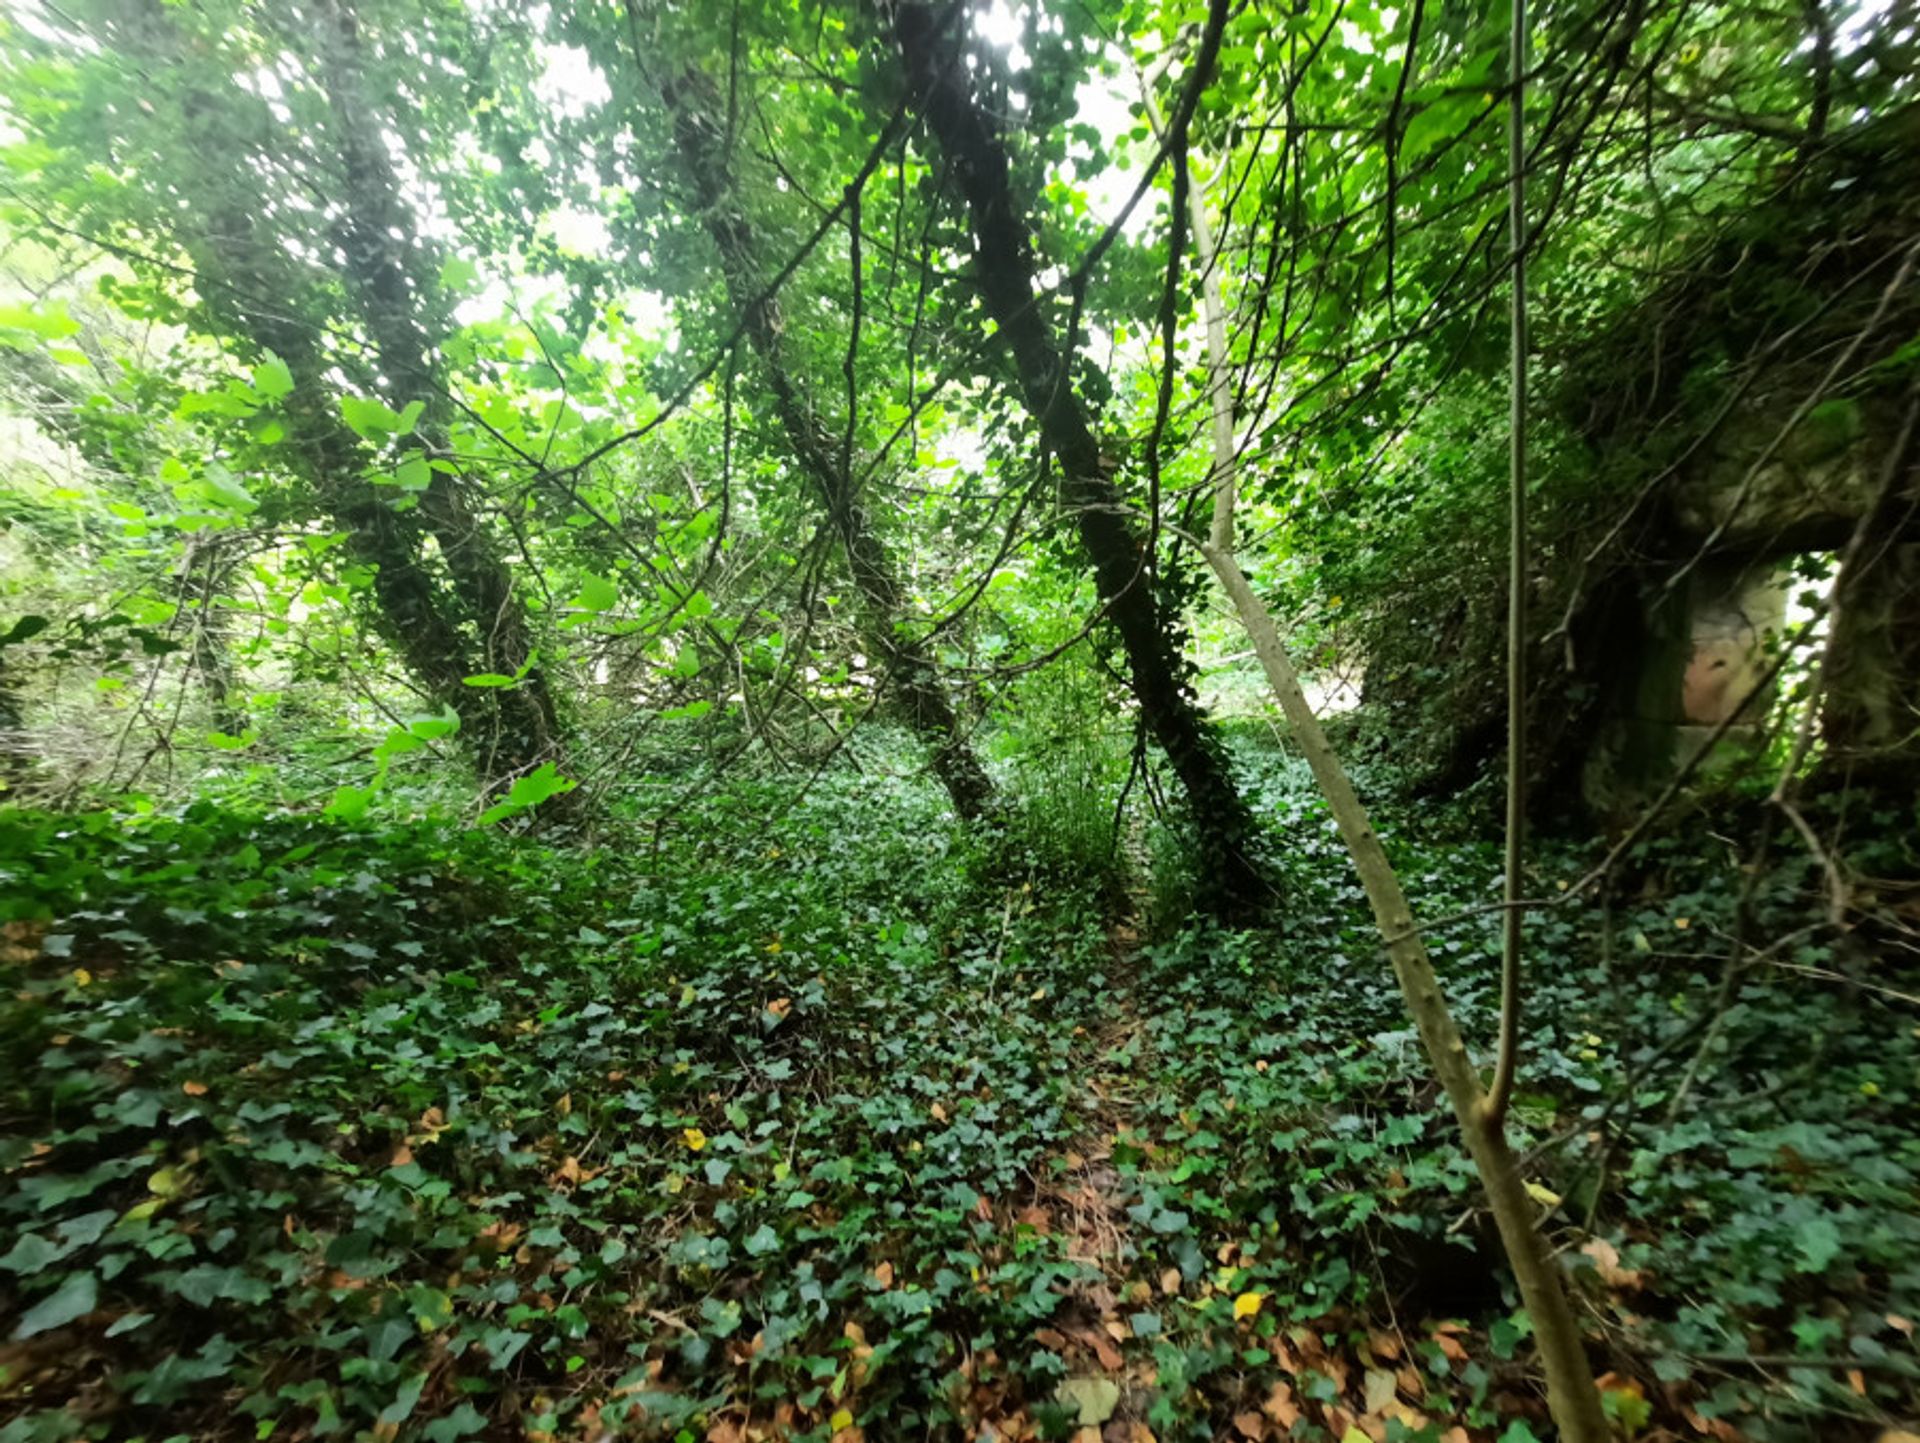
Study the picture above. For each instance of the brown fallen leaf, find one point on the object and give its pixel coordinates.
(1250, 1425)
(1281, 1408)
(194, 1089)
(1108, 1355)
(1606, 1262)
(402, 1155)
(1725, 1432)
(883, 1275)
(1170, 1281)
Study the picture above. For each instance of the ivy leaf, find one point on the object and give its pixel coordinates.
(74, 1298)
(32, 1254)
(457, 1424)
(1819, 1244)
(402, 1406)
(763, 1241)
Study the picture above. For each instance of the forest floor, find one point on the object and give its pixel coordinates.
(819, 1122)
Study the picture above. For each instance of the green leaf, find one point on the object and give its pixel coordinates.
(31, 1254)
(1400, 1131)
(223, 491)
(370, 419)
(1819, 1241)
(404, 1401)
(272, 379)
(764, 1240)
(75, 1298)
(457, 273)
(50, 322)
(1437, 124)
(432, 728)
(413, 474)
(597, 594)
(457, 1424)
(350, 804)
(25, 629)
(528, 792)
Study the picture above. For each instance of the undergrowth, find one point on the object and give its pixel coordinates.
(813, 1120)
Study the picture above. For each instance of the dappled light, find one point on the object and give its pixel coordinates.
(991, 721)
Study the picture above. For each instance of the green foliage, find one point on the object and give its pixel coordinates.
(305, 1109)
(1067, 778)
(380, 404)
(422, 1127)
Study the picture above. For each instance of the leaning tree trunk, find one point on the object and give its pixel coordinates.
(411, 609)
(911, 672)
(1481, 1113)
(394, 279)
(1004, 266)
(252, 293)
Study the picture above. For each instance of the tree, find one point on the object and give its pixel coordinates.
(826, 463)
(940, 84)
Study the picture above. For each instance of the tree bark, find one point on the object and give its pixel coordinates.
(911, 672)
(1004, 266)
(394, 279)
(252, 291)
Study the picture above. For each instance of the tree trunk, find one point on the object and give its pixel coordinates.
(910, 669)
(252, 291)
(394, 279)
(1570, 1390)
(1571, 1394)
(1004, 265)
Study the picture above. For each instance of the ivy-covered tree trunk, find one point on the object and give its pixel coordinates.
(939, 82)
(254, 293)
(394, 278)
(911, 672)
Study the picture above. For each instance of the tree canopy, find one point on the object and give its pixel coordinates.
(776, 720)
